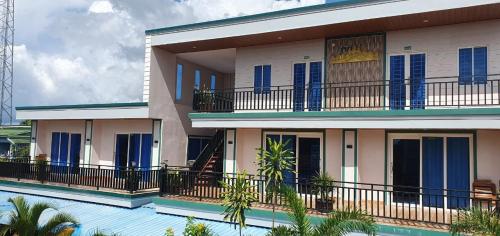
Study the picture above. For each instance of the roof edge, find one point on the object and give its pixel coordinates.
(83, 106)
(257, 17)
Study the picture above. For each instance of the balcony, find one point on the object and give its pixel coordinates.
(452, 92)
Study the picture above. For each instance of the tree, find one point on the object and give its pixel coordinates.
(25, 123)
(273, 162)
(338, 223)
(238, 197)
(24, 220)
(477, 222)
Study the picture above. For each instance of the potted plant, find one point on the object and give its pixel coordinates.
(322, 185)
(204, 99)
(41, 167)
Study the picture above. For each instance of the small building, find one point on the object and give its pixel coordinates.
(14, 141)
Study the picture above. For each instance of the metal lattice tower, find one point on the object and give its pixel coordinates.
(6, 59)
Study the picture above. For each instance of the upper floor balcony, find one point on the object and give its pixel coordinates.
(454, 92)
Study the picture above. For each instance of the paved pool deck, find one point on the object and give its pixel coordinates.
(123, 221)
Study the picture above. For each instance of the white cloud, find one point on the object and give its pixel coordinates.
(101, 7)
(64, 55)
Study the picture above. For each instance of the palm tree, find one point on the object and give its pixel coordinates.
(338, 223)
(238, 197)
(477, 222)
(273, 162)
(24, 220)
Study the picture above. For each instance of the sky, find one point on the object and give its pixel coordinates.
(86, 51)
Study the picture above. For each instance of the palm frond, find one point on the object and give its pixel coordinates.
(282, 231)
(300, 222)
(58, 223)
(36, 210)
(341, 223)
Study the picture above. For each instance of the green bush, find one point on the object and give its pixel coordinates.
(196, 229)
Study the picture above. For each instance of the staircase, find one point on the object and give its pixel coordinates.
(209, 162)
(210, 159)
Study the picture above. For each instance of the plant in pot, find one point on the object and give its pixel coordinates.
(322, 187)
(41, 168)
(205, 99)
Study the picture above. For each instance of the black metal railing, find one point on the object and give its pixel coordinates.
(98, 176)
(439, 206)
(413, 93)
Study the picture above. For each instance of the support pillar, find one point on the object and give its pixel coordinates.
(33, 135)
(87, 151)
(230, 151)
(156, 152)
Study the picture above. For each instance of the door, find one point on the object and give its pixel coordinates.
(417, 81)
(397, 90)
(458, 171)
(54, 148)
(134, 151)
(121, 151)
(406, 170)
(315, 86)
(433, 171)
(309, 158)
(299, 82)
(290, 144)
(63, 149)
(74, 151)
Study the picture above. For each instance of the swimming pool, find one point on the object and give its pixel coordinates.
(145, 221)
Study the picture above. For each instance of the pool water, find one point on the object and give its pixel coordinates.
(145, 221)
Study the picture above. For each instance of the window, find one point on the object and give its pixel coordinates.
(133, 150)
(65, 148)
(262, 79)
(473, 67)
(196, 144)
(197, 79)
(178, 88)
(212, 82)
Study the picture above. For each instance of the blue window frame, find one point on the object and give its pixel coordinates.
(133, 150)
(213, 78)
(397, 90)
(472, 65)
(197, 79)
(178, 87)
(262, 79)
(65, 148)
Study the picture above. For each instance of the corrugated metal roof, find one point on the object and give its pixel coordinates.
(140, 221)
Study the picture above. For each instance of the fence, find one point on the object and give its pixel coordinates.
(440, 206)
(98, 176)
(416, 93)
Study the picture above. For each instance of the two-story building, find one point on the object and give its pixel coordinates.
(402, 93)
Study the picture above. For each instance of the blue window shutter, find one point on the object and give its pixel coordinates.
(134, 150)
(178, 87)
(257, 79)
(54, 149)
(315, 86)
(146, 148)
(465, 66)
(63, 157)
(197, 79)
(212, 82)
(397, 91)
(266, 81)
(417, 81)
(74, 151)
(299, 80)
(480, 65)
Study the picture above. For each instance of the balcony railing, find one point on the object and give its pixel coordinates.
(94, 176)
(415, 93)
(415, 204)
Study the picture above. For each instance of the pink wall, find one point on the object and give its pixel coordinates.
(104, 135)
(488, 155)
(46, 127)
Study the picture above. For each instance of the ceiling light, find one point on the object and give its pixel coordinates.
(425, 21)
(280, 38)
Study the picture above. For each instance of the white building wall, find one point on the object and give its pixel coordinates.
(441, 44)
(281, 58)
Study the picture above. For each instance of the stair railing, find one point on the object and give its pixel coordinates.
(206, 154)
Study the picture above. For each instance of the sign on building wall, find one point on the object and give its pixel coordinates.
(355, 59)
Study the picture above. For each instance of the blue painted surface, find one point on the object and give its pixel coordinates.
(417, 80)
(433, 171)
(140, 221)
(397, 92)
(457, 164)
(299, 83)
(315, 86)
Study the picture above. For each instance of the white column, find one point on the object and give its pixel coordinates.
(87, 151)
(34, 128)
(156, 152)
(230, 151)
(350, 162)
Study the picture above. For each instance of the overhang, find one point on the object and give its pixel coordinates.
(348, 17)
(479, 118)
(84, 111)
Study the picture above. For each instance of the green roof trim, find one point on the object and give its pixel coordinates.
(342, 114)
(83, 106)
(258, 17)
